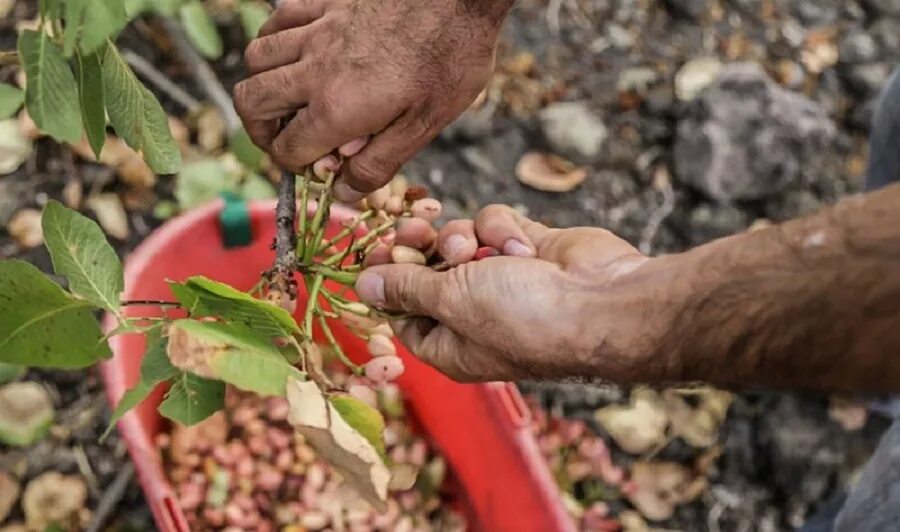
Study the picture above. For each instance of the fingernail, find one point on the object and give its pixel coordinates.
(354, 146)
(370, 288)
(347, 194)
(454, 246)
(514, 248)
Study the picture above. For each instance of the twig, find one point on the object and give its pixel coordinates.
(149, 303)
(111, 497)
(206, 78)
(664, 185)
(9, 58)
(149, 72)
(285, 213)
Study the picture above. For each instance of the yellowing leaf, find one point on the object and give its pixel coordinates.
(348, 451)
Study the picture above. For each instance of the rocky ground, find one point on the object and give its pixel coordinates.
(779, 131)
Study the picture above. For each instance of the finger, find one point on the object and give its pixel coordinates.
(504, 228)
(321, 127)
(276, 50)
(261, 132)
(380, 255)
(385, 153)
(457, 242)
(291, 14)
(354, 146)
(452, 353)
(403, 287)
(273, 94)
(415, 233)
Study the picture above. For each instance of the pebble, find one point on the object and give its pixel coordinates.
(572, 128)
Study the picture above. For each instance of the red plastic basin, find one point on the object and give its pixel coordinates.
(482, 430)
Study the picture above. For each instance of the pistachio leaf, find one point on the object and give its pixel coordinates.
(348, 451)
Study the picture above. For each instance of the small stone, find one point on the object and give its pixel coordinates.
(637, 80)
(572, 128)
(25, 228)
(53, 498)
(695, 76)
(857, 47)
(868, 79)
(689, 9)
(9, 494)
(745, 137)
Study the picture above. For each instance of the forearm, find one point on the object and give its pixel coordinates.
(813, 303)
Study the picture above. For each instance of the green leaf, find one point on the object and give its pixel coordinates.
(89, 72)
(73, 14)
(245, 359)
(253, 15)
(200, 182)
(166, 8)
(135, 8)
(43, 326)
(11, 99)
(136, 115)
(246, 152)
(211, 298)
(191, 399)
(11, 372)
(256, 187)
(201, 29)
(51, 95)
(155, 369)
(103, 19)
(362, 417)
(80, 251)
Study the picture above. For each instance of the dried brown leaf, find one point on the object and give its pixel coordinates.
(659, 487)
(638, 426)
(54, 498)
(549, 173)
(25, 228)
(190, 353)
(9, 494)
(348, 451)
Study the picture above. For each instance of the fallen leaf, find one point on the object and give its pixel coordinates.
(632, 521)
(697, 425)
(345, 449)
(25, 228)
(549, 173)
(128, 164)
(658, 487)
(110, 214)
(15, 147)
(53, 498)
(638, 426)
(9, 494)
(403, 477)
(72, 194)
(26, 413)
(5, 8)
(211, 129)
(850, 415)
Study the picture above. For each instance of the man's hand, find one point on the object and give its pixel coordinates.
(813, 303)
(531, 313)
(343, 70)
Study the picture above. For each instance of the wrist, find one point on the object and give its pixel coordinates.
(631, 320)
(492, 12)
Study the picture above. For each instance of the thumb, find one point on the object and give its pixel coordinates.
(404, 287)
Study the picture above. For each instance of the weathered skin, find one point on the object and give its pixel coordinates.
(342, 70)
(812, 303)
